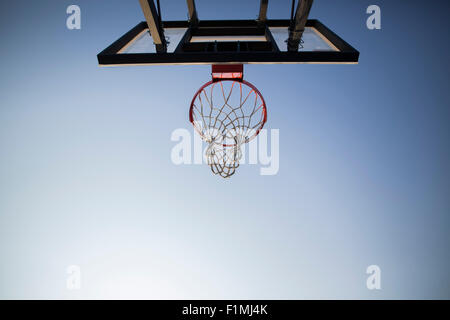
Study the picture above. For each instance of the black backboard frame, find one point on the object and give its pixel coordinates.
(267, 53)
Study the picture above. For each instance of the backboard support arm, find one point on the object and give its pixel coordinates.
(154, 25)
(263, 11)
(193, 17)
(297, 26)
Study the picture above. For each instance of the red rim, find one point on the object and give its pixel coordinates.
(264, 110)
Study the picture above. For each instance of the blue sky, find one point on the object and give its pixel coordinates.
(86, 177)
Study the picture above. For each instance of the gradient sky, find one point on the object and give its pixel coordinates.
(86, 177)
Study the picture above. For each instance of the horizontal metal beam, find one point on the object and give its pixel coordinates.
(224, 31)
(207, 58)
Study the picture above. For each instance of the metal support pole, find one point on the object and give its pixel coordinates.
(154, 25)
(297, 26)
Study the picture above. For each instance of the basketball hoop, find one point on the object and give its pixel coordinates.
(227, 112)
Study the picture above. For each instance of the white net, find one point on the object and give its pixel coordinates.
(227, 114)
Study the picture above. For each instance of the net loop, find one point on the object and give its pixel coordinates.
(227, 114)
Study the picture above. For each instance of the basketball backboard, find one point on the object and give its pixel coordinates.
(259, 41)
(228, 111)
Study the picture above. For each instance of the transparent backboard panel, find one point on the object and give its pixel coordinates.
(143, 43)
(312, 40)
